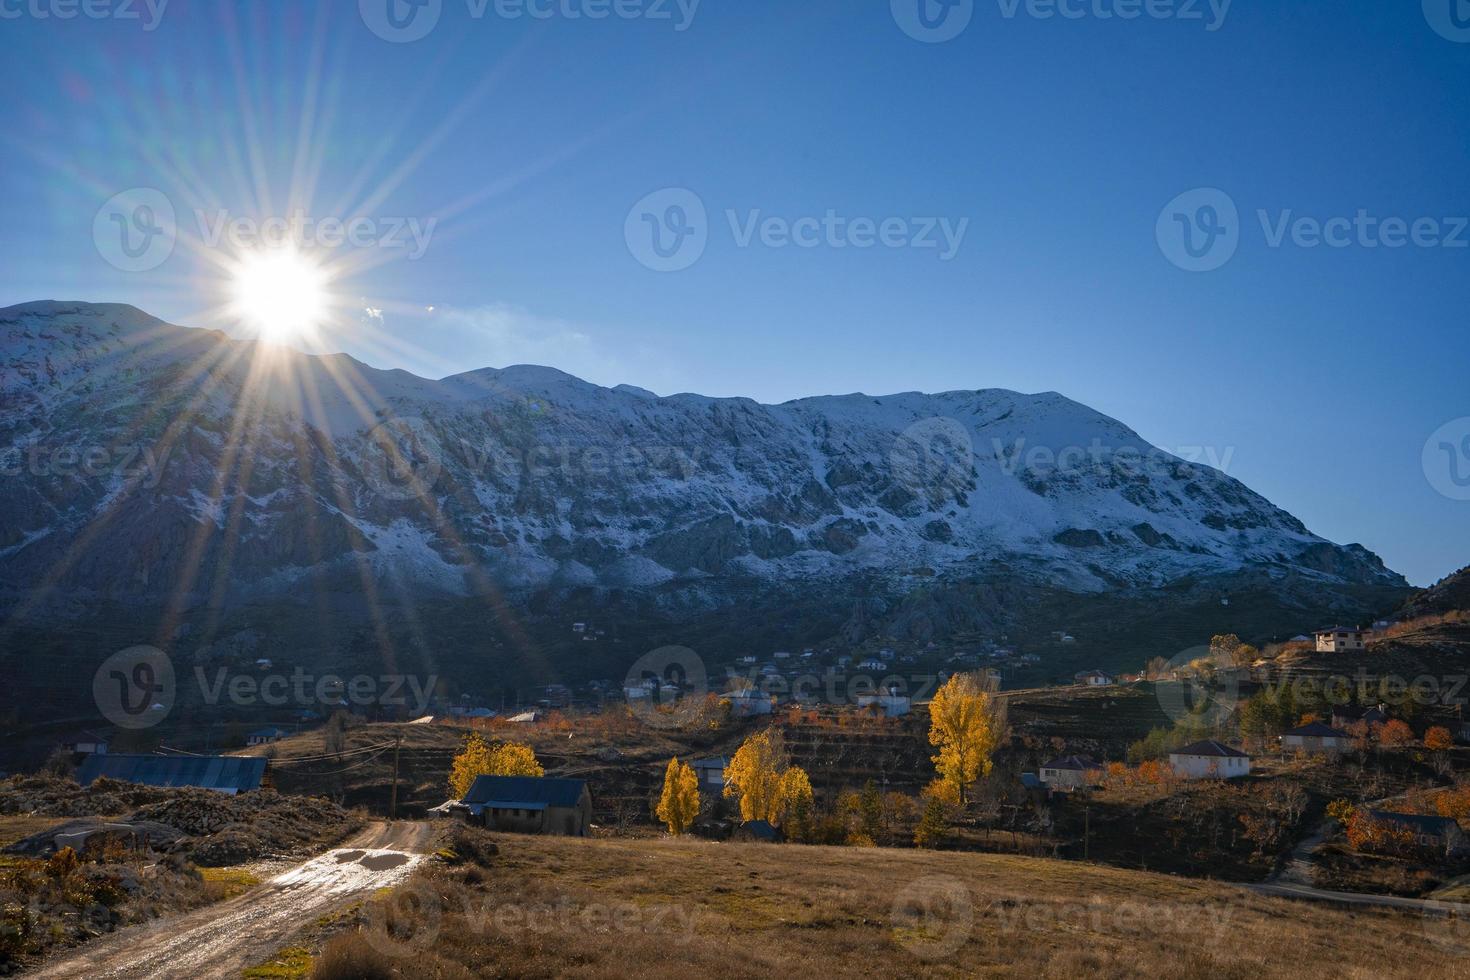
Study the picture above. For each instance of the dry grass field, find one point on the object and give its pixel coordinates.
(550, 907)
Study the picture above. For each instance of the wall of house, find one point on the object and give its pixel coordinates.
(1207, 767)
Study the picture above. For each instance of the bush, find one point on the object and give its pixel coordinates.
(352, 957)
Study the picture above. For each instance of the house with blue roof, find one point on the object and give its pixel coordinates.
(531, 805)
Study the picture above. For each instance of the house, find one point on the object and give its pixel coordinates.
(748, 703)
(531, 805)
(1340, 639)
(526, 718)
(1436, 833)
(759, 832)
(1209, 760)
(222, 773)
(264, 736)
(872, 663)
(891, 704)
(1093, 678)
(1316, 738)
(1070, 772)
(711, 774)
(1345, 715)
(86, 743)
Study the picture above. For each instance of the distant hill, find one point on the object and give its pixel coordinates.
(1451, 593)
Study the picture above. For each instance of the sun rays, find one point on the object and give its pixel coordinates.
(216, 150)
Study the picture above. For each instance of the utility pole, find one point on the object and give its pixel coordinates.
(1086, 830)
(393, 804)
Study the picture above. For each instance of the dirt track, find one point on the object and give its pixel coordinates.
(221, 940)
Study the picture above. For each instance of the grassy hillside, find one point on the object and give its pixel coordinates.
(546, 907)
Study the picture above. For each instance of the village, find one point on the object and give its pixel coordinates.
(1299, 770)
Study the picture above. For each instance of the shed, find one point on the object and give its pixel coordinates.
(1316, 737)
(221, 773)
(86, 743)
(264, 736)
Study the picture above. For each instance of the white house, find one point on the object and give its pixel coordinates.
(1093, 678)
(1071, 772)
(872, 663)
(711, 774)
(1209, 760)
(1340, 639)
(749, 703)
(891, 703)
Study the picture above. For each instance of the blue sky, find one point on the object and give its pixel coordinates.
(1056, 144)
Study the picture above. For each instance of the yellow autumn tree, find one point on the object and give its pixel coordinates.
(769, 787)
(965, 724)
(473, 761)
(795, 802)
(477, 759)
(680, 803)
(514, 759)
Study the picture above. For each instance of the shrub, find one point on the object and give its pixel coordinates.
(351, 957)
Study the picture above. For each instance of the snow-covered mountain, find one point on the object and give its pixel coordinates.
(146, 461)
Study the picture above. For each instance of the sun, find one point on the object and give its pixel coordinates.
(280, 293)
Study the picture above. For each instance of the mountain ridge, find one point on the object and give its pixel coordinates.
(540, 478)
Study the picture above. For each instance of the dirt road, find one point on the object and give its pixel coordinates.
(222, 939)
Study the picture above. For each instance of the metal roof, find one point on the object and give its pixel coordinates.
(1317, 730)
(525, 791)
(233, 774)
(1210, 747)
